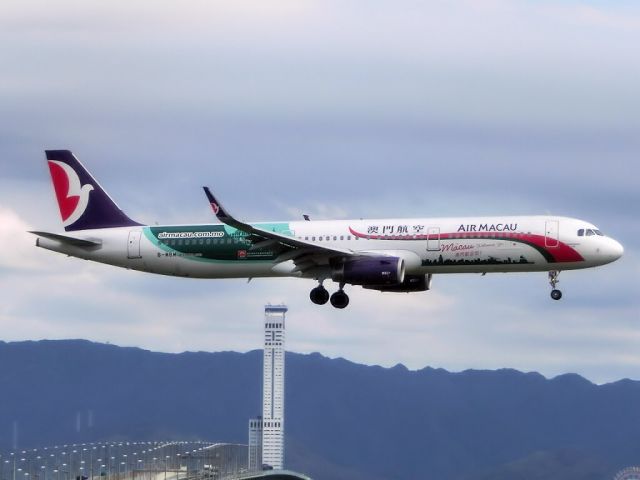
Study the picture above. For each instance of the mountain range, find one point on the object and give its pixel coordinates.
(343, 420)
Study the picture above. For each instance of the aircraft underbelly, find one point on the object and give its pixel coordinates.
(183, 267)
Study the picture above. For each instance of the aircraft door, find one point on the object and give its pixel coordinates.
(551, 231)
(133, 247)
(433, 239)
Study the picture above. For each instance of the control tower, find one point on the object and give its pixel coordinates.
(273, 387)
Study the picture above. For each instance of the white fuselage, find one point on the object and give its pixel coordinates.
(427, 246)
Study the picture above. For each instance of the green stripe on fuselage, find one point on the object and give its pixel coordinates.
(213, 243)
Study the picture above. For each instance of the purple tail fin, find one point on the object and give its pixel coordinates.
(82, 201)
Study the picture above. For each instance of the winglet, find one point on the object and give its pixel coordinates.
(220, 211)
(289, 241)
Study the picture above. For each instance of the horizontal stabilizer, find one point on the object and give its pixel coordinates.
(76, 242)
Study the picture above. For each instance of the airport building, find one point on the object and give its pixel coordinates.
(273, 387)
(255, 444)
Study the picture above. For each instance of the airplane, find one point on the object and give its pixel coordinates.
(388, 255)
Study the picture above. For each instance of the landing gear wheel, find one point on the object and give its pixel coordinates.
(553, 281)
(319, 295)
(556, 294)
(340, 299)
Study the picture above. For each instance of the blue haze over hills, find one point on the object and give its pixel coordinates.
(344, 420)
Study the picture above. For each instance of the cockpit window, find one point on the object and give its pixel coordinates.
(589, 232)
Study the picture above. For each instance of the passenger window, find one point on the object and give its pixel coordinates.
(306, 238)
(335, 238)
(341, 237)
(348, 237)
(581, 232)
(313, 239)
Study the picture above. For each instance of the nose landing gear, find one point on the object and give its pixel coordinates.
(553, 281)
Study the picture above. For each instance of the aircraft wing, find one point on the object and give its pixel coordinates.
(305, 254)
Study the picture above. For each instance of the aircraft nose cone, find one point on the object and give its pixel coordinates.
(616, 249)
(613, 250)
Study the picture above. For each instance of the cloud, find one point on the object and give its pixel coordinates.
(336, 109)
(16, 243)
(502, 63)
(317, 211)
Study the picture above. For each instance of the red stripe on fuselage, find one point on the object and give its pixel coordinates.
(559, 253)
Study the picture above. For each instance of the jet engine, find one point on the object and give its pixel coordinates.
(411, 283)
(370, 271)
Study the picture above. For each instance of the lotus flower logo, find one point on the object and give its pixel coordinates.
(215, 207)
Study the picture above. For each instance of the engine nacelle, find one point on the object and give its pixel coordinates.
(411, 283)
(370, 271)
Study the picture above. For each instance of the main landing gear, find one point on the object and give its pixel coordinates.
(339, 299)
(320, 296)
(553, 281)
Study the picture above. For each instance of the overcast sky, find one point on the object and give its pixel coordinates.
(337, 109)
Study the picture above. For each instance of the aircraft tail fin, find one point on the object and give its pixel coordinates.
(83, 203)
